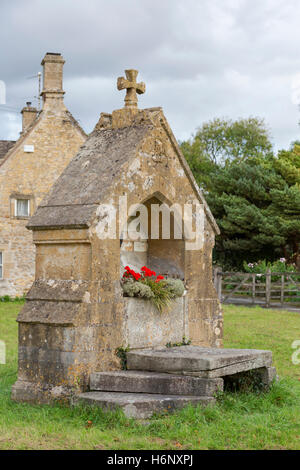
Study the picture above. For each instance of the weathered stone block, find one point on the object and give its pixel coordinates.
(140, 405)
(152, 382)
(145, 327)
(202, 362)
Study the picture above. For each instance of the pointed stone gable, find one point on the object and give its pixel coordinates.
(89, 178)
(82, 186)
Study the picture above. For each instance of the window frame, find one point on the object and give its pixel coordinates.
(16, 207)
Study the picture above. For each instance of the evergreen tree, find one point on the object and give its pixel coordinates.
(241, 202)
(286, 202)
(254, 196)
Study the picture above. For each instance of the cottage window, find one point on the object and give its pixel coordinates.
(22, 207)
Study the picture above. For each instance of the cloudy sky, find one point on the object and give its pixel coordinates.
(200, 59)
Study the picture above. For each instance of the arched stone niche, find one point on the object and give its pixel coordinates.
(160, 251)
(144, 326)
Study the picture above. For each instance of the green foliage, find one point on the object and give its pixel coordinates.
(161, 293)
(175, 287)
(121, 353)
(222, 140)
(133, 288)
(278, 266)
(201, 165)
(254, 195)
(287, 164)
(184, 342)
(7, 298)
(242, 205)
(162, 297)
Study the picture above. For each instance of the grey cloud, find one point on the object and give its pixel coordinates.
(200, 59)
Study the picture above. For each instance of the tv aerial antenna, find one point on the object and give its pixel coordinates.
(39, 77)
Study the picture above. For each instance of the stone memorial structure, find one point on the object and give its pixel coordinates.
(76, 316)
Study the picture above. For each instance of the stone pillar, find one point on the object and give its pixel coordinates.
(52, 79)
(28, 116)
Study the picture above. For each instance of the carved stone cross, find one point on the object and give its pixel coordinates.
(132, 87)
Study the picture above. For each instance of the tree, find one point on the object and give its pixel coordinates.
(222, 140)
(288, 164)
(286, 203)
(254, 195)
(241, 202)
(202, 167)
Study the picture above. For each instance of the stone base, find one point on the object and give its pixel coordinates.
(152, 382)
(139, 405)
(29, 392)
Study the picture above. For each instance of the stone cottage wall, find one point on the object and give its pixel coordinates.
(56, 140)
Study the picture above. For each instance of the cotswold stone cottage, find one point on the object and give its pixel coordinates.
(28, 169)
(76, 315)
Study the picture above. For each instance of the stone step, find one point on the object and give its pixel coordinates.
(198, 361)
(154, 382)
(139, 405)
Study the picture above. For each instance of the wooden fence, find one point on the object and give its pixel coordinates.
(270, 288)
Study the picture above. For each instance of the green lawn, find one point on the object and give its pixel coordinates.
(237, 421)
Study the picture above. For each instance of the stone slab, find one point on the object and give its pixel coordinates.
(153, 382)
(229, 370)
(145, 327)
(198, 361)
(30, 392)
(139, 405)
(63, 290)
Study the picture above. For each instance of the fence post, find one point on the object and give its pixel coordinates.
(268, 287)
(282, 290)
(218, 282)
(253, 287)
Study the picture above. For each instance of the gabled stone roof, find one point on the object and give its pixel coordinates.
(5, 146)
(28, 130)
(85, 182)
(77, 193)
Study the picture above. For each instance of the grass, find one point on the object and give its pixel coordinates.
(237, 421)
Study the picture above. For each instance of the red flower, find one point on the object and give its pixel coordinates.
(147, 272)
(130, 272)
(159, 278)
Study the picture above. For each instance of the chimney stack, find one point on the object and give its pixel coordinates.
(28, 116)
(52, 93)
